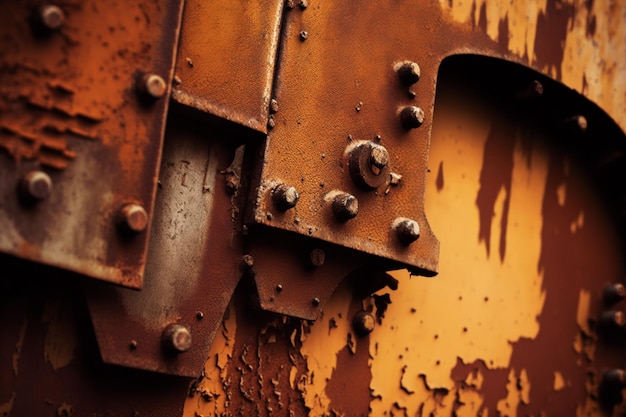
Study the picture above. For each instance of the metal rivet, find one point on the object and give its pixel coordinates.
(316, 301)
(176, 338)
(273, 106)
(614, 378)
(407, 230)
(409, 73)
(530, 91)
(50, 17)
(363, 323)
(290, 4)
(199, 315)
(412, 117)
(132, 345)
(614, 293)
(345, 207)
(271, 122)
(577, 124)
(317, 257)
(133, 217)
(152, 85)
(36, 185)
(612, 319)
(285, 197)
(303, 4)
(304, 35)
(248, 260)
(279, 288)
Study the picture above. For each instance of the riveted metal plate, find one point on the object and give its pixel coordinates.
(194, 259)
(71, 107)
(225, 63)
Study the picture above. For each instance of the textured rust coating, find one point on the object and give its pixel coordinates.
(226, 59)
(68, 105)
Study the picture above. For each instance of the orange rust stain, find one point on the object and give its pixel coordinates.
(18, 347)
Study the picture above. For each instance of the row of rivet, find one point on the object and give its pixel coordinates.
(37, 186)
(344, 207)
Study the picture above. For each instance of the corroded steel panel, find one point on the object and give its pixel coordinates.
(77, 110)
(194, 260)
(225, 64)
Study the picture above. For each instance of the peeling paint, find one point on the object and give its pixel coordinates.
(18, 347)
(61, 337)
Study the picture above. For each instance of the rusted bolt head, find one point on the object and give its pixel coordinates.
(133, 218)
(316, 301)
(50, 17)
(409, 73)
(614, 293)
(285, 197)
(612, 319)
(363, 323)
(36, 185)
(412, 117)
(317, 257)
(152, 85)
(304, 35)
(176, 338)
(577, 124)
(345, 207)
(379, 157)
(303, 4)
(407, 230)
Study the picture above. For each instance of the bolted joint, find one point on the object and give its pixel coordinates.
(133, 218)
(285, 197)
(408, 73)
(407, 230)
(612, 320)
(35, 186)
(176, 339)
(363, 323)
(345, 207)
(412, 117)
(152, 85)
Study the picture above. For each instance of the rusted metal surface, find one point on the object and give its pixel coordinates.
(226, 57)
(50, 364)
(194, 260)
(70, 108)
(511, 325)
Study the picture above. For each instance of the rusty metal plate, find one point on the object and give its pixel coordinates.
(194, 258)
(81, 130)
(225, 64)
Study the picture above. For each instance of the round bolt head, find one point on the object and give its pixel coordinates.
(363, 323)
(51, 17)
(317, 257)
(176, 338)
(316, 301)
(304, 35)
(152, 85)
(407, 230)
(614, 293)
(134, 218)
(273, 106)
(409, 73)
(36, 185)
(412, 117)
(345, 207)
(612, 319)
(285, 197)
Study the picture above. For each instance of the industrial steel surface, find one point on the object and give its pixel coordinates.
(312, 208)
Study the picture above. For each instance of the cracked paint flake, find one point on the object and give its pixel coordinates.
(208, 396)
